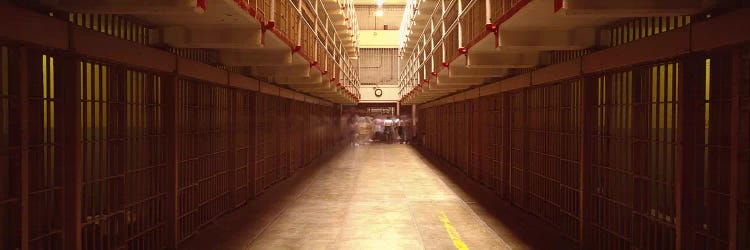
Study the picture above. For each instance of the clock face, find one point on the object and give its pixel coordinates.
(378, 92)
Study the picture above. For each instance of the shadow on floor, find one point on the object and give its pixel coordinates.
(239, 227)
(517, 228)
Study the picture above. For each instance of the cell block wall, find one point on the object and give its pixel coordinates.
(123, 158)
(204, 169)
(709, 152)
(553, 158)
(473, 111)
(10, 147)
(655, 103)
(517, 153)
(154, 156)
(497, 141)
(651, 156)
(742, 88)
(485, 142)
(282, 121)
(634, 143)
(244, 147)
(45, 171)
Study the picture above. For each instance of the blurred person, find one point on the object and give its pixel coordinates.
(379, 127)
(397, 130)
(353, 129)
(388, 130)
(403, 129)
(365, 130)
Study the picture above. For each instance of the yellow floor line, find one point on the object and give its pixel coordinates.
(453, 233)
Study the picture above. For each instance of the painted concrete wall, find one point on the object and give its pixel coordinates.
(390, 94)
(378, 38)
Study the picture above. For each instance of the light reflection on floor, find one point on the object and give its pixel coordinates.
(380, 196)
(377, 197)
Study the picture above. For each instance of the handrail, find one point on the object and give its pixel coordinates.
(418, 58)
(344, 63)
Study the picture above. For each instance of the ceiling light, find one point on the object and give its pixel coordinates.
(379, 12)
(379, 2)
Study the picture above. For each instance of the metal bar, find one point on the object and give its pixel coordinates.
(232, 144)
(22, 75)
(691, 78)
(506, 131)
(588, 100)
(69, 78)
(171, 119)
(735, 144)
(526, 183)
(251, 166)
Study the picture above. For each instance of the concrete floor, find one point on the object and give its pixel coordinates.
(377, 197)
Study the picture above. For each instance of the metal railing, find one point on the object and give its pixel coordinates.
(311, 31)
(450, 27)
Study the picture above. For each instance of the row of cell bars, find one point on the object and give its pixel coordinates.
(326, 54)
(526, 144)
(233, 145)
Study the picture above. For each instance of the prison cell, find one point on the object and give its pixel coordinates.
(638, 28)
(450, 43)
(474, 130)
(287, 20)
(312, 126)
(611, 166)
(499, 139)
(282, 124)
(553, 131)
(10, 147)
(634, 153)
(542, 150)
(517, 161)
(307, 126)
(197, 54)
(570, 157)
(204, 166)
(449, 144)
(710, 149)
(453, 148)
(123, 158)
(296, 133)
(244, 147)
(46, 170)
(262, 10)
(122, 153)
(741, 91)
(501, 8)
(463, 134)
(473, 21)
(485, 143)
(114, 25)
(265, 143)
(560, 56)
(104, 179)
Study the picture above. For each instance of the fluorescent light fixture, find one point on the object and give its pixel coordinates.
(379, 12)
